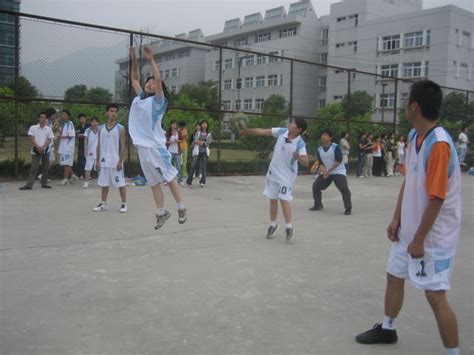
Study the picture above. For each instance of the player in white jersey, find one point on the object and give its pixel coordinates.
(109, 159)
(290, 149)
(426, 224)
(90, 149)
(67, 136)
(146, 114)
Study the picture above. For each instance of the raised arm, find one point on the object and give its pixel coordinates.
(135, 76)
(156, 73)
(257, 132)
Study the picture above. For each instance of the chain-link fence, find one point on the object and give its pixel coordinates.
(52, 63)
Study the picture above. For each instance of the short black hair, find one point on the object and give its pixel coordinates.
(326, 131)
(67, 112)
(166, 92)
(429, 96)
(81, 115)
(42, 113)
(301, 124)
(94, 119)
(50, 111)
(111, 105)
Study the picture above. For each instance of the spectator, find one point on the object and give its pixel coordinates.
(80, 131)
(173, 141)
(41, 136)
(377, 152)
(203, 141)
(369, 160)
(345, 149)
(463, 141)
(390, 153)
(400, 155)
(184, 145)
(67, 135)
(361, 155)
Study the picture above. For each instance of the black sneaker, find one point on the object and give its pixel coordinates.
(25, 188)
(271, 231)
(46, 186)
(348, 212)
(161, 219)
(377, 335)
(316, 208)
(290, 234)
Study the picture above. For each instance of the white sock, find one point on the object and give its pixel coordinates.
(389, 323)
(161, 211)
(180, 205)
(273, 223)
(103, 202)
(452, 351)
(288, 225)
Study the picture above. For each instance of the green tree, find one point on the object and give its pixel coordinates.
(204, 94)
(98, 94)
(7, 115)
(275, 104)
(453, 108)
(25, 88)
(76, 93)
(360, 104)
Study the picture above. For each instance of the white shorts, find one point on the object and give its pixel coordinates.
(90, 165)
(276, 191)
(111, 176)
(156, 165)
(52, 157)
(425, 274)
(66, 159)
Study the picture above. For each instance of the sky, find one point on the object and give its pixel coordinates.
(177, 16)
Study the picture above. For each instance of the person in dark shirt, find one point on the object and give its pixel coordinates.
(80, 130)
(361, 155)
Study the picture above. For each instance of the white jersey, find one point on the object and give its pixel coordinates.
(66, 145)
(463, 140)
(442, 239)
(144, 121)
(329, 156)
(109, 142)
(91, 143)
(283, 168)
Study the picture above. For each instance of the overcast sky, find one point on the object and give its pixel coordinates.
(177, 16)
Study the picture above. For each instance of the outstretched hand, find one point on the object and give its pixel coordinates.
(133, 54)
(148, 53)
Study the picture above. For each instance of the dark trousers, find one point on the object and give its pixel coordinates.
(35, 162)
(378, 166)
(360, 163)
(81, 163)
(200, 159)
(322, 184)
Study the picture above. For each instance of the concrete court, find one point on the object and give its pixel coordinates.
(78, 282)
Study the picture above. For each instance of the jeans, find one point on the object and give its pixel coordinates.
(462, 154)
(197, 161)
(176, 159)
(35, 161)
(322, 184)
(81, 163)
(360, 163)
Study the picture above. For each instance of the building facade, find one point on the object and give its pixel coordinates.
(7, 40)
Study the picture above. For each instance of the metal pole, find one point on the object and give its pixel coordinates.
(395, 107)
(290, 104)
(220, 114)
(349, 104)
(17, 85)
(383, 96)
(466, 115)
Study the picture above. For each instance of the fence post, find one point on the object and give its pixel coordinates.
(290, 104)
(466, 115)
(17, 84)
(220, 116)
(395, 107)
(349, 103)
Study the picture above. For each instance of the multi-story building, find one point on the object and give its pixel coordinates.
(248, 79)
(7, 40)
(396, 38)
(180, 63)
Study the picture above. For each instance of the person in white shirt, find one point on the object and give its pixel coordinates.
(174, 140)
(463, 141)
(109, 158)
(290, 149)
(345, 147)
(90, 150)
(146, 114)
(41, 136)
(67, 135)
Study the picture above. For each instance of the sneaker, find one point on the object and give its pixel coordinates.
(46, 186)
(290, 234)
(38, 177)
(64, 182)
(377, 335)
(182, 183)
(81, 177)
(100, 207)
(25, 188)
(86, 185)
(74, 178)
(161, 219)
(201, 184)
(182, 216)
(123, 208)
(348, 212)
(271, 231)
(316, 208)
(165, 183)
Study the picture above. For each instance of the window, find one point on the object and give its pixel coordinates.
(427, 68)
(184, 53)
(243, 41)
(247, 104)
(428, 37)
(354, 17)
(390, 43)
(174, 72)
(228, 84)
(259, 104)
(390, 70)
(167, 74)
(273, 59)
(263, 37)
(340, 19)
(248, 82)
(354, 44)
(338, 97)
(174, 88)
(324, 36)
(217, 65)
(260, 59)
(287, 32)
(260, 81)
(237, 105)
(342, 44)
(413, 39)
(227, 104)
(323, 58)
(249, 60)
(412, 70)
(322, 103)
(387, 100)
(403, 99)
(228, 63)
(466, 34)
(338, 71)
(322, 83)
(272, 80)
(238, 83)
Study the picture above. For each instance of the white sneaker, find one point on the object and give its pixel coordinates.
(74, 178)
(123, 208)
(63, 182)
(100, 207)
(86, 185)
(81, 177)
(38, 177)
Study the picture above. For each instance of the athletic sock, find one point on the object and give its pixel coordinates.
(389, 323)
(180, 205)
(161, 211)
(273, 223)
(452, 351)
(288, 225)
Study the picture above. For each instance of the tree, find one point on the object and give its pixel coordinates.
(275, 104)
(7, 115)
(453, 109)
(203, 93)
(25, 88)
(98, 94)
(360, 104)
(76, 93)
